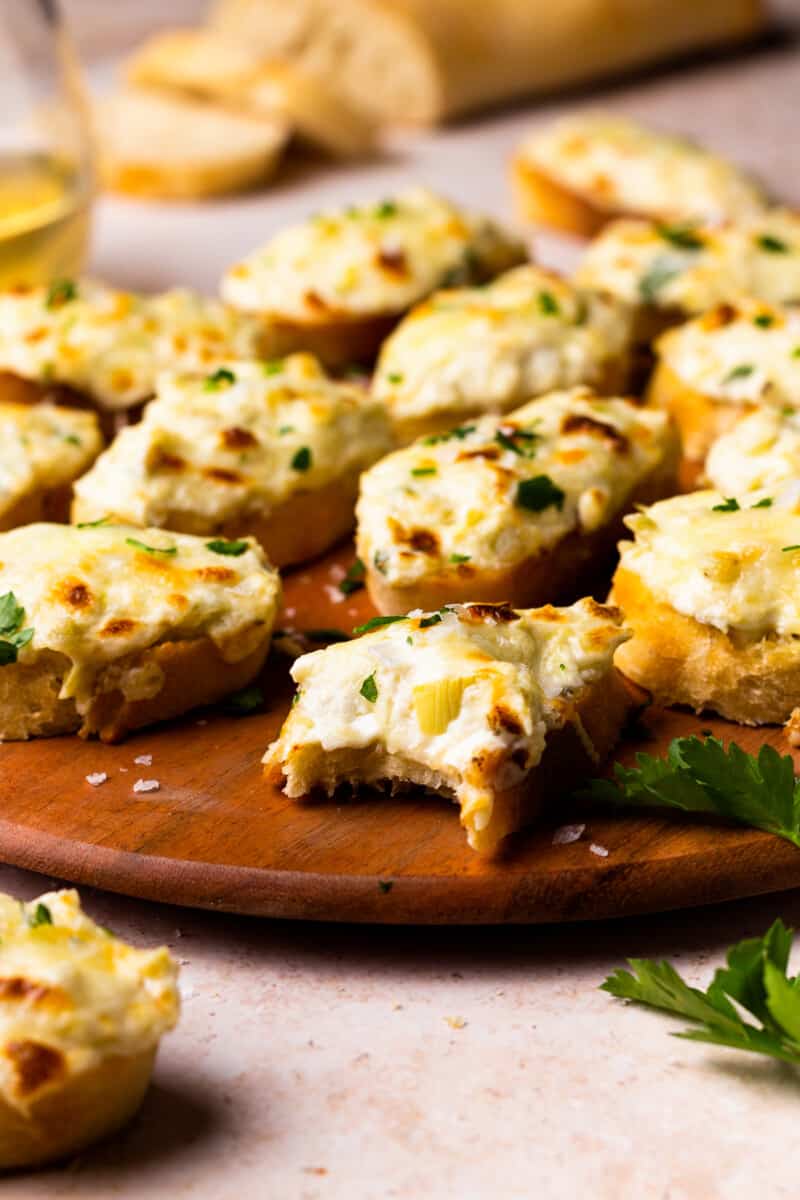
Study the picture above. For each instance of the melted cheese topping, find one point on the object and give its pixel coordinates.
(452, 503)
(489, 349)
(366, 261)
(761, 451)
(692, 269)
(734, 570)
(95, 595)
(223, 448)
(71, 986)
(43, 447)
(111, 345)
(467, 694)
(743, 354)
(621, 166)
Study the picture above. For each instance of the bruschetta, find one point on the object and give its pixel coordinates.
(526, 508)
(81, 1017)
(83, 343)
(470, 351)
(584, 170)
(43, 449)
(104, 629)
(477, 702)
(269, 450)
(336, 283)
(709, 589)
(762, 451)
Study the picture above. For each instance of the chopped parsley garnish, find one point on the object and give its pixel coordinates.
(662, 272)
(765, 503)
(223, 546)
(796, 352)
(387, 208)
(548, 305)
(354, 579)
(539, 493)
(508, 439)
(395, 377)
(376, 623)
(729, 504)
(221, 378)
(61, 291)
(169, 550)
(369, 689)
(385, 886)
(763, 320)
(284, 429)
(785, 549)
(92, 524)
(12, 638)
(380, 560)
(302, 459)
(423, 470)
(460, 558)
(72, 439)
(753, 984)
(272, 366)
(743, 371)
(683, 237)
(773, 245)
(41, 915)
(460, 432)
(327, 635)
(246, 701)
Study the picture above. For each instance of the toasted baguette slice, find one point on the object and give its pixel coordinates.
(81, 1016)
(43, 449)
(171, 147)
(586, 169)
(468, 702)
(336, 283)
(708, 590)
(700, 418)
(243, 453)
(109, 628)
(528, 508)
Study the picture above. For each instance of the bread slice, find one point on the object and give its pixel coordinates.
(81, 1016)
(43, 449)
(481, 703)
(169, 147)
(526, 508)
(700, 418)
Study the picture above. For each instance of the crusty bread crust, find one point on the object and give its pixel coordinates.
(700, 418)
(541, 200)
(337, 341)
(682, 661)
(194, 674)
(16, 390)
(560, 574)
(46, 504)
(73, 1112)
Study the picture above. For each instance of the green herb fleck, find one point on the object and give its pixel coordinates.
(395, 377)
(369, 689)
(60, 292)
(72, 439)
(509, 437)
(460, 558)
(539, 493)
(423, 471)
(729, 504)
(376, 623)
(786, 549)
(773, 245)
(387, 208)
(168, 550)
(92, 524)
(245, 701)
(548, 305)
(763, 320)
(284, 429)
(41, 915)
(354, 579)
(741, 372)
(302, 459)
(12, 638)
(327, 635)
(222, 377)
(385, 886)
(460, 432)
(272, 366)
(662, 272)
(765, 503)
(222, 546)
(683, 237)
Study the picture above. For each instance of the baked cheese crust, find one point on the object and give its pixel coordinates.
(43, 448)
(762, 451)
(461, 701)
(111, 345)
(373, 260)
(688, 269)
(223, 452)
(474, 350)
(456, 510)
(621, 167)
(92, 602)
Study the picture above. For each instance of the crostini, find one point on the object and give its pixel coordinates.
(43, 449)
(337, 283)
(83, 343)
(470, 351)
(713, 370)
(269, 450)
(582, 171)
(105, 629)
(478, 702)
(671, 272)
(709, 588)
(762, 451)
(81, 1017)
(525, 508)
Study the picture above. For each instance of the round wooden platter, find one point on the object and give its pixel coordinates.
(216, 835)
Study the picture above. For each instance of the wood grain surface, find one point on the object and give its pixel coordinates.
(216, 835)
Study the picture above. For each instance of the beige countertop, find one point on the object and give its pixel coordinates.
(337, 1063)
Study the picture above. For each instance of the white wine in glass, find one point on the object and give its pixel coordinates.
(45, 162)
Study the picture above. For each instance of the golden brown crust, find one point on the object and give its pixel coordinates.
(16, 390)
(682, 661)
(540, 200)
(75, 1111)
(44, 505)
(700, 418)
(337, 341)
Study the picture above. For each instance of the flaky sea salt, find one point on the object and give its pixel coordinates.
(600, 851)
(566, 834)
(96, 778)
(146, 785)
(144, 760)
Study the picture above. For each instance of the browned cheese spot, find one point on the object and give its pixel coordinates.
(34, 1065)
(216, 574)
(392, 261)
(581, 423)
(497, 613)
(220, 475)
(238, 439)
(73, 593)
(117, 627)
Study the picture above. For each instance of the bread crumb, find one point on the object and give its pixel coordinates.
(456, 1022)
(96, 778)
(600, 851)
(144, 760)
(567, 833)
(146, 785)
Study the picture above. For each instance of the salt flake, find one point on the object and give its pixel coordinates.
(146, 785)
(96, 778)
(567, 833)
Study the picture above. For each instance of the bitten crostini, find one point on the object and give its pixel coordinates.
(469, 351)
(105, 629)
(81, 1017)
(709, 589)
(269, 450)
(43, 450)
(338, 282)
(525, 508)
(477, 702)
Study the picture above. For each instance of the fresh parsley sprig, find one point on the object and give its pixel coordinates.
(12, 637)
(754, 983)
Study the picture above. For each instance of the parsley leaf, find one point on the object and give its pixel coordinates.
(773, 245)
(223, 546)
(272, 366)
(387, 208)
(763, 320)
(460, 432)
(302, 459)
(394, 377)
(701, 776)
(741, 372)
(376, 623)
(369, 689)
(729, 504)
(548, 305)
(662, 272)
(41, 915)
(539, 493)
(169, 550)
(683, 237)
(765, 503)
(92, 524)
(214, 382)
(754, 980)
(11, 613)
(460, 558)
(423, 470)
(60, 292)
(508, 438)
(354, 579)
(12, 638)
